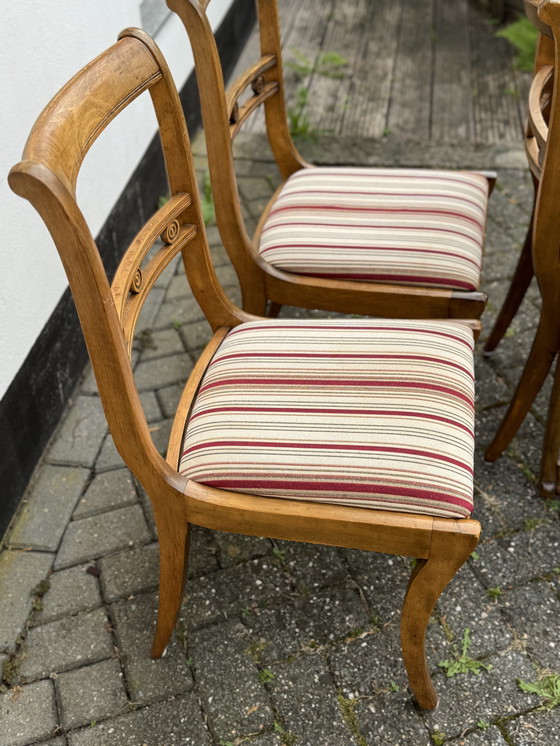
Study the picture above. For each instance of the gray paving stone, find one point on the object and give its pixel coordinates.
(516, 559)
(48, 507)
(66, 643)
(178, 287)
(91, 693)
(151, 308)
(130, 572)
(169, 397)
(148, 679)
(539, 728)
(391, 720)
(482, 737)
(534, 611)
(175, 723)
(79, 439)
(465, 699)
(88, 538)
(304, 695)
(163, 371)
(321, 618)
(196, 335)
(383, 579)
(69, 591)
(220, 656)
(176, 312)
(160, 343)
(113, 489)
(369, 664)
(20, 572)
(236, 591)
(150, 405)
(270, 739)
(27, 714)
(160, 432)
(313, 566)
(109, 458)
(236, 548)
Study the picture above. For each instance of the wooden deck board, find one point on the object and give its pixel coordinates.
(422, 70)
(451, 91)
(410, 104)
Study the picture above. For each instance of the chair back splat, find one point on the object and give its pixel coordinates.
(385, 242)
(345, 432)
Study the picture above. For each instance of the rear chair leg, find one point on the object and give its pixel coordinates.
(551, 446)
(520, 282)
(448, 551)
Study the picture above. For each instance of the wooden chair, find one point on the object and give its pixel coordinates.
(354, 433)
(539, 255)
(382, 242)
(539, 101)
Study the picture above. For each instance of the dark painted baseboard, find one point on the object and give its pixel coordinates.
(37, 397)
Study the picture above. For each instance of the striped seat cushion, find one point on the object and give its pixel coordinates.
(372, 413)
(396, 226)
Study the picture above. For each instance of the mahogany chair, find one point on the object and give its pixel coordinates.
(354, 433)
(540, 255)
(383, 242)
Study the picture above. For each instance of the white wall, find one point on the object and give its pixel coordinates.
(42, 45)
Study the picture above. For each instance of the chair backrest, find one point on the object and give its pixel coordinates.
(543, 152)
(225, 112)
(47, 175)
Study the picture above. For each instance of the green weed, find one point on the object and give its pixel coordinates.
(494, 592)
(327, 64)
(348, 713)
(298, 121)
(463, 663)
(266, 676)
(522, 35)
(438, 738)
(547, 687)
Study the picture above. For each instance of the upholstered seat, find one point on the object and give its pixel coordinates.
(373, 413)
(400, 226)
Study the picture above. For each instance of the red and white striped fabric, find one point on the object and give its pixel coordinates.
(371, 413)
(396, 226)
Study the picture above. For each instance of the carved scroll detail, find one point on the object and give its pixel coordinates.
(171, 232)
(137, 280)
(258, 84)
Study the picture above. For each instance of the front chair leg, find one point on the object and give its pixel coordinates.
(448, 551)
(173, 537)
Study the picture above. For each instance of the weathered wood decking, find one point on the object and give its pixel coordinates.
(420, 70)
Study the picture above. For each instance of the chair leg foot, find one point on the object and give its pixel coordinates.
(448, 551)
(173, 553)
